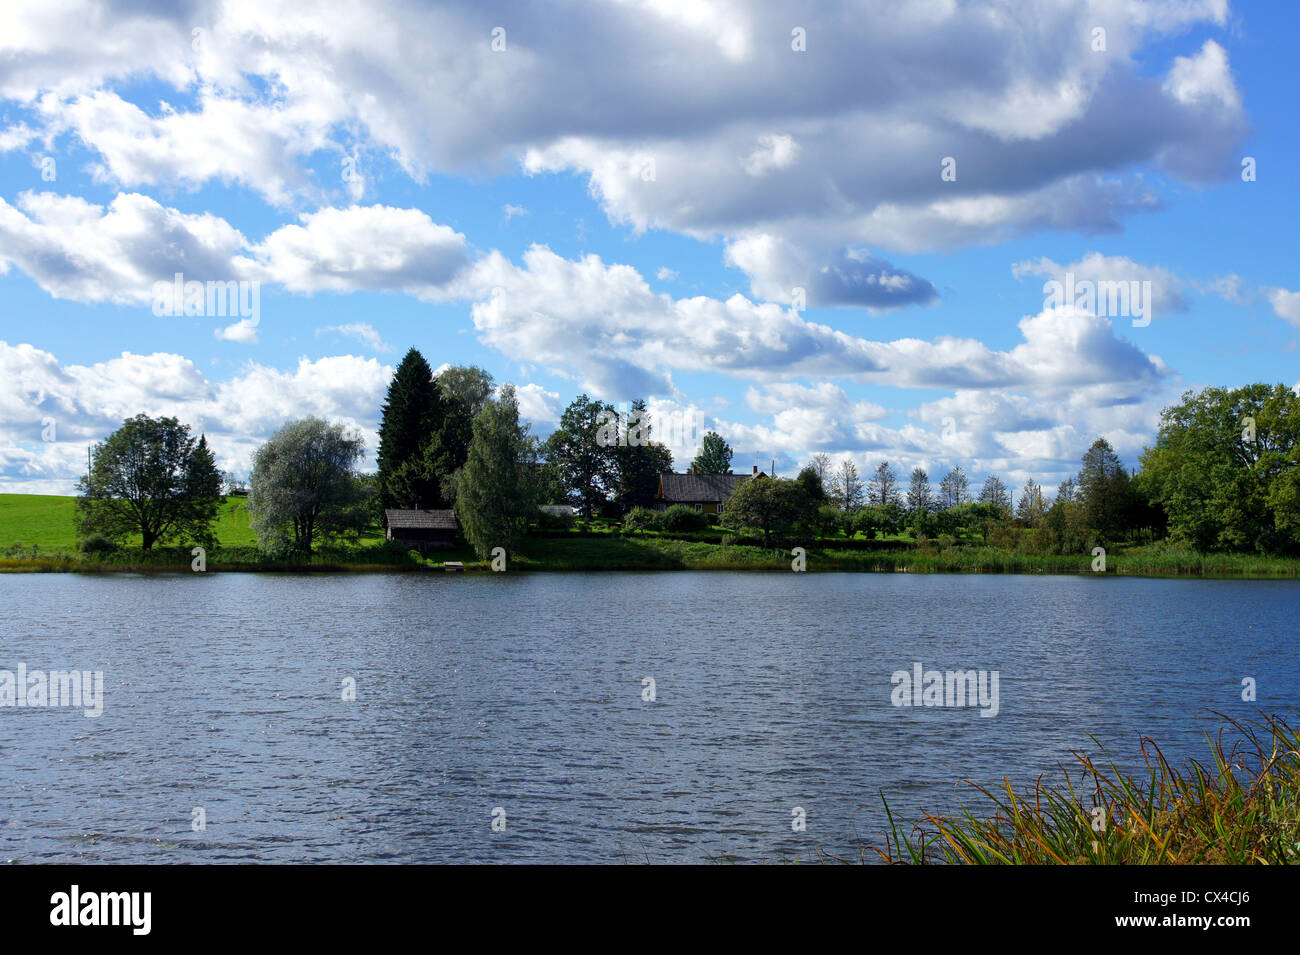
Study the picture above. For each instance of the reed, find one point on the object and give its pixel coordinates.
(1241, 807)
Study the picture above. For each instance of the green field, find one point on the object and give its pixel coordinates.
(49, 523)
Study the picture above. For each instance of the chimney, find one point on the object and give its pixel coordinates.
(692, 468)
(755, 468)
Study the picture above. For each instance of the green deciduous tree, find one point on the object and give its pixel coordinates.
(1224, 468)
(714, 456)
(812, 483)
(497, 492)
(305, 489)
(153, 478)
(464, 390)
(770, 504)
(468, 386)
(583, 456)
(876, 519)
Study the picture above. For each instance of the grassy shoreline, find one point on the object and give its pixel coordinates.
(1242, 807)
(621, 554)
(37, 535)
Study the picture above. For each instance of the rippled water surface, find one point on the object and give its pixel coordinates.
(524, 692)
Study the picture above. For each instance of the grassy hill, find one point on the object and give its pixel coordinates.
(49, 523)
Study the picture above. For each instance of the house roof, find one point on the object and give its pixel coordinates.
(699, 488)
(424, 520)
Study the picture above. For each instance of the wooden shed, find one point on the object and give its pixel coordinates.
(421, 528)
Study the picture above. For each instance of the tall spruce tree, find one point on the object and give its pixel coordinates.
(412, 410)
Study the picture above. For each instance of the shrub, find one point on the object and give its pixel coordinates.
(555, 522)
(831, 519)
(1008, 537)
(866, 521)
(641, 519)
(96, 544)
(679, 517)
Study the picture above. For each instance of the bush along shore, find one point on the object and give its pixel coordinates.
(1240, 807)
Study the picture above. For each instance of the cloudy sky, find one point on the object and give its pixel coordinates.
(820, 227)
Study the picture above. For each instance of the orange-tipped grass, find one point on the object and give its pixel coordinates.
(1243, 810)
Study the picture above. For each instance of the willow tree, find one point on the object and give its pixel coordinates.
(305, 488)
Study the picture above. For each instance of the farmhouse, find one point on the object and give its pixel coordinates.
(421, 528)
(708, 493)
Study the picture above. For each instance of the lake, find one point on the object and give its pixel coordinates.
(522, 699)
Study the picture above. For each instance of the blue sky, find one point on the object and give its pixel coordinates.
(623, 200)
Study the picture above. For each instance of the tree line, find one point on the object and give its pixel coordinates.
(1221, 475)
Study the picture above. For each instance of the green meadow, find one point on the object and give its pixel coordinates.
(49, 523)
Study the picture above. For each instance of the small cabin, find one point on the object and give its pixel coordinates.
(421, 528)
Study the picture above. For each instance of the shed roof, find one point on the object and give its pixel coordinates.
(424, 520)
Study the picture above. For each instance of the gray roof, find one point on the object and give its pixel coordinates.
(699, 488)
(425, 520)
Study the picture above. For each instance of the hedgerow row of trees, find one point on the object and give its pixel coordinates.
(1222, 475)
(1095, 507)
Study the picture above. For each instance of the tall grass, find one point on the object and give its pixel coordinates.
(1241, 808)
